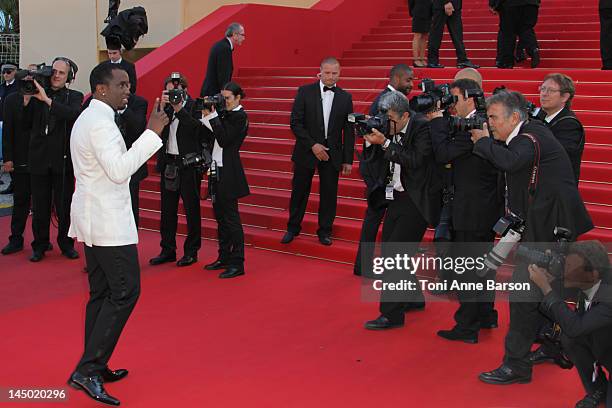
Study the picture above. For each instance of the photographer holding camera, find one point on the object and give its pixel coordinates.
(586, 331)
(373, 168)
(180, 137)
(541, 190)
(472, 192)
(413, 188)
(225, 128)
(50, 114)
(556, 94)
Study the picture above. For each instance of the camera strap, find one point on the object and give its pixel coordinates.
(533, 178)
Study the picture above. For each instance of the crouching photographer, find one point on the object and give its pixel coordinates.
(472, 203)
(180, 137)
(225, 125)
(542, 194)
(586, 332)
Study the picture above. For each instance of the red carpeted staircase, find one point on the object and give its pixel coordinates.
(568, 32)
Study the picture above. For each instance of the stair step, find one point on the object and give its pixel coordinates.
(556, 63)
(474, 53)
(586, 34)
(491, 42)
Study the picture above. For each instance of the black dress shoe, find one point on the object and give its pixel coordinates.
(414, 306)
(288, 237)
(11, 248)
(540, 356)
(605, 68)
(232, 271)
(592, 400)
(535, 58)
(434, 65)
(109, 375)
(187, 260)
(218, 264)
(382, 323)
(504, 66)
(71, 253)
(456, 335)
(325, 240)
(37, 256)
(467, 64)
(93, 386)
(504, 375)
(163, 258)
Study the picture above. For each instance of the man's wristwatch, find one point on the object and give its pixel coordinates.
(386, 144)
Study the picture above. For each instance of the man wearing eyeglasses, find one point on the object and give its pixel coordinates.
(220, 63)
(8, 87)
(556, 94)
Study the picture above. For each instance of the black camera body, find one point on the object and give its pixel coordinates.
(363, 124)
(201, 160)
(432, 94)
(553, 260)
(477, 120)
(42, 74)
(207, 102)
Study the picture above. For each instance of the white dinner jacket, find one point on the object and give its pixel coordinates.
(101, 210)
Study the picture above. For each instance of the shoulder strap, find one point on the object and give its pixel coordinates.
(533, 179)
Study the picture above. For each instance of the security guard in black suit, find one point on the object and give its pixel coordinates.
(476, 205)
(180, 137)
(226, 131)
(373, 168)
(15, 146)
(605, 33)
(556, 94)
(587, 330)
(49, 115)
(541, 189)
(414, 189)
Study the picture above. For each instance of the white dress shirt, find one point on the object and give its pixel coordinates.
(172, 145)
(118, 61)
(101, 209)
(549, 118)
(590, 294)
(217, 153)
(327, 100)
(514, 133)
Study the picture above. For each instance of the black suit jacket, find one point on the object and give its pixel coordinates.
(420, 175)
(5, 91)
(308, 127)
(556, 201)
(15, 136)
(374, 170)
(569, 132)
(131, 70)
(478, 199)
(439, 4)
(230, 130)
(219, 69)
(593, 325)
(188, 135)
(47, 149)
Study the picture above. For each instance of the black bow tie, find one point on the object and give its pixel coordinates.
(329, 88)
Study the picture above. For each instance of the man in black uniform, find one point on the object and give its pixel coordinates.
(473, 194)
(605, 33)
(541, 190)
(516, 18)
(413, 188)
(15, 145)
(50, 115)
(586, 331)
(220, 62)
(556, 94)
(373, 168)
(115, 56)
(8, 86)
(447, 13)
(180, 137)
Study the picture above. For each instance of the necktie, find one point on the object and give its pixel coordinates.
(329, 88)
(120, 123)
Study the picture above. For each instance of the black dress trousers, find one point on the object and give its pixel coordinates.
(21, 206)
(229, 226)
(455, 29)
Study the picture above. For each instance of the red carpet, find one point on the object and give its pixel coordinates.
(288, 334)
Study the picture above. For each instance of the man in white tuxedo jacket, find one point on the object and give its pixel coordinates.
(101, 217)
